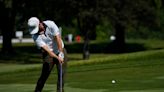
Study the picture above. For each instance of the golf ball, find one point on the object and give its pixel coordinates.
(112, 37)
(113, 81)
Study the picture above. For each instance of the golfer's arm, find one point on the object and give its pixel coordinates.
(59, 42)
(51, 53)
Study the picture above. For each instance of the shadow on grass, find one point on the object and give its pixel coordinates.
(21, 54)
(30, 54)
(105, 47)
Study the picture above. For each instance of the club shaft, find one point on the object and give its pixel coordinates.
(61, 77)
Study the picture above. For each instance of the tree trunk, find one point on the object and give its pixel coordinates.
(7, 32)
(8, 21)
(119, 43)
(83, 29)
(86, 53)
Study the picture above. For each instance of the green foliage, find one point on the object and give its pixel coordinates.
(85, 17)
(162, 20)
(144, 33)
(104, 30)
(28, 53)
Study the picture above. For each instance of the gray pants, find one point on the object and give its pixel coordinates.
(48, 64)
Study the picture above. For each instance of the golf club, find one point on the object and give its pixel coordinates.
(61, 78)
(61, 72)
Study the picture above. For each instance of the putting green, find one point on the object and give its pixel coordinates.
(47, 88)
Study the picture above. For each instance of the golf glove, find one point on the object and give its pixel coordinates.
(61, 55)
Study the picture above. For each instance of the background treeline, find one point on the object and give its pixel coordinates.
(92, 19)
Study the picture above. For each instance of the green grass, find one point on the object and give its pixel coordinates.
(134, 71)
(48, 88)
(141, 71)
(138, 72)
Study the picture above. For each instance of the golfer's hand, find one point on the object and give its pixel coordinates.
(61, 60)
(61, 57)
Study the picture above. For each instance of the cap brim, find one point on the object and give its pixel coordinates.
(34, 30)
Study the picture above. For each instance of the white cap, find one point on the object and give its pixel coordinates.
(33, 24)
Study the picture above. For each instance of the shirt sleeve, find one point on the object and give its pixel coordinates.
(39, 42)
(54, 29)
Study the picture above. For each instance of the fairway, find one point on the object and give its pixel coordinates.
(48, 88)
(141, 71)
(51, 88)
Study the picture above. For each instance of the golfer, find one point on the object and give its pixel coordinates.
(48, 39)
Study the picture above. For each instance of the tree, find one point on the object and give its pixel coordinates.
(87, 26)
(158, 6)
(85, 11)
(124, 13)
(121, 14)
(7, 27)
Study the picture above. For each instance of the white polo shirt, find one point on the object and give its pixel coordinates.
(48, 37)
